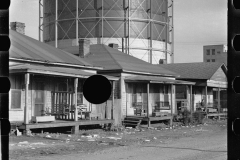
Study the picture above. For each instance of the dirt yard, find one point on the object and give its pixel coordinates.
(207, 141)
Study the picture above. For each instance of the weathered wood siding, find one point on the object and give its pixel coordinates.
(219, 75)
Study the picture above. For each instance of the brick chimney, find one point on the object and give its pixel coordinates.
(84, 47)
(18, 27)
(113, 45)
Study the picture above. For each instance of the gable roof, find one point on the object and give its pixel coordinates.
(198, 70)
(50, 70)
(26, 48)
(112, 59)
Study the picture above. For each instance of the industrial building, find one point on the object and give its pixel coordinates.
(141, 28)
(215, 53)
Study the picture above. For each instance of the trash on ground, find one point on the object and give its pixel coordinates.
(48, 136)
(147, 140)
(24, 142)
(115, 138)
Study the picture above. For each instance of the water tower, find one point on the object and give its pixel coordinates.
(141, 28)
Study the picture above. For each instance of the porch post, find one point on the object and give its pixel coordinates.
(171, 105)
(206, 98)
(148, 104)
(26, 120)
(191, 101)
(113, 83)
(75, 99)
(219, 106)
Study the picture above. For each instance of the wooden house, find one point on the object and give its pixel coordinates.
(143, 89)
(46, 85)
(210, 90)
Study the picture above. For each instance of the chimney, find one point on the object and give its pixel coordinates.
(113, 45)
(162, 61)
(84, 47)
(18, 27)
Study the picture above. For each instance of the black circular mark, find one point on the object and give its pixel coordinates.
(235, 126)
(236, 84)
(4, 5)
(236, 4)
(5, 85)
(236, 43)
(5, 127)
(97, 89)
(5, 43)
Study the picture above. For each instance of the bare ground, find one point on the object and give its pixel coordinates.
(208, 141)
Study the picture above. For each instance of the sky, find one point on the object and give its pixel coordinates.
(196, 23)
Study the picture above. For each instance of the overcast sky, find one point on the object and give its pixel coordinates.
(196, 23)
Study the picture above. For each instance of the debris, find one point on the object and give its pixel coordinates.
(48, 136)
(38, 143)
(128, 127)
(154, 138)
(95, 136)
(69, 136)
(18, 132)
(150, 127)
(147, 140)
(115, 138)
(24, 142)
(78, 139)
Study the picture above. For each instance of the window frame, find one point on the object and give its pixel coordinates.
(11, 98)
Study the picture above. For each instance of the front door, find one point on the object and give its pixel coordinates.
(39, 99)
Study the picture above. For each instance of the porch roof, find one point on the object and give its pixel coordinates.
(152, 79)
(58, 71)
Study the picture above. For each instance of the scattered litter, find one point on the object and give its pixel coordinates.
(78, 139)
(154, 138)
(48, 136)
(69, 136)
(115, 138)
(18, 132)
(24, 142)
(96, 136)
(128, 127)
(150, 127)
(147, 140)
(38, 143)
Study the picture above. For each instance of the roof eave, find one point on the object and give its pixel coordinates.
(55, 63)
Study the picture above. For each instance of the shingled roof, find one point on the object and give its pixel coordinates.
(26, 48)
(112, 59)
(198, 70)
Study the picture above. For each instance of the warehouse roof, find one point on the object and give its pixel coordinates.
(113, 59)
(26, 48)
(49, 70)
(198, 70)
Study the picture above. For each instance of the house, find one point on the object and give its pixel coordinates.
(210, 88)
(144, 89)
(49, 81)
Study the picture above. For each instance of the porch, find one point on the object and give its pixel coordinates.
(63, 123)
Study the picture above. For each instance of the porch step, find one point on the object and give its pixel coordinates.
(132, 121)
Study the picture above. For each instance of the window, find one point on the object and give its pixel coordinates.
(208, 60)
(208, 51)
(218, 52)
(213, 60)
(15, 99)
(213, 51)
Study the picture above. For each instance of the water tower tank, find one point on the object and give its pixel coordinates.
(141, 28)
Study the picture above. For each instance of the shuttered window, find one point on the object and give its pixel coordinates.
(15, 99)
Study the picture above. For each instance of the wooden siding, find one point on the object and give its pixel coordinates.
(219, 75)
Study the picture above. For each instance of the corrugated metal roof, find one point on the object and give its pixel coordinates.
(152, 79)
(24, 47)
(47, 70)
(112, 59)
(199, 70)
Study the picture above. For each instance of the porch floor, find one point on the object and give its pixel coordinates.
(62, 123)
